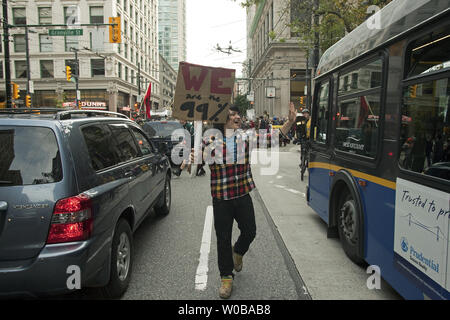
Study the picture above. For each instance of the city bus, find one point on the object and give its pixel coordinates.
(379, 170)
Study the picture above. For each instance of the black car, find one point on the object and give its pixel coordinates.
(74, 186)
(440, 170)
(163, 134)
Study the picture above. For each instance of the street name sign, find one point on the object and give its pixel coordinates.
(65, 32)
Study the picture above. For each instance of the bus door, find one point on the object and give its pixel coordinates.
(319, 162)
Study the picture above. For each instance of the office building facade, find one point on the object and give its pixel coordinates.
(276, 64)
(172, 31)
(111, 75)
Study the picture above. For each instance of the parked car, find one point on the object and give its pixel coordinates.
(74, 186)
(162, 134)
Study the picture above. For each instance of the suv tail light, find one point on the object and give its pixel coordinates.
(71, 220)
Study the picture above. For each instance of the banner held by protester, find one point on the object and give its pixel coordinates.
(203, 93)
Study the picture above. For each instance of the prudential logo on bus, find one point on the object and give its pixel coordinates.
(422, 261)
(404, 244)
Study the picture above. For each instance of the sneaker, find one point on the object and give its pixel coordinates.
(226, 287)
(237, 259)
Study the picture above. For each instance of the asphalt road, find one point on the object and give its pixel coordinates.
(167, 253)
(175, 257)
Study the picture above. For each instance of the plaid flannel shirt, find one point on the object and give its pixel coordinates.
(233, 177)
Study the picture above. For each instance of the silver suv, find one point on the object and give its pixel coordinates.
(74, 186)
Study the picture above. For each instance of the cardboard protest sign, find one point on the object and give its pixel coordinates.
(203, 93)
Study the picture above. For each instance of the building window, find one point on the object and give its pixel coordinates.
(125, 50)
(71, 15)
(126, 73)
(45, 43)
(45, 98)
(45, 15)
(19, 16)
(21, 69)
(97, 67)
(119, 68)
(47, 69)
(96, 14)
(19, 43)
(71, 42)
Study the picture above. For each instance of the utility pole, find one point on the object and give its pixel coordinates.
(249, 75)
(76, 75)
(27, 49)
(316, 35)
(139, 80)
(7, 57)
(308, 90)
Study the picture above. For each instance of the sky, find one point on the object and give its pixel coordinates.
(212, 22)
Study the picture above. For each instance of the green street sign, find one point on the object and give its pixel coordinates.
(65, 32)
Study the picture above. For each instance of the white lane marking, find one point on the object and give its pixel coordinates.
(290, 190)
(201, 277)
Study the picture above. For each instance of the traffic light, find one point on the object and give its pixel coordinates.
(68, 73)
(114, 30)
(28, 100)
(16, 91)
(136, 106)
(413, 91)
(302, 100)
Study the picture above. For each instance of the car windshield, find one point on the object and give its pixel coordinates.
(161, 129)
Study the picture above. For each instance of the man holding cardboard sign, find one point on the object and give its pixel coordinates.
(204, 93)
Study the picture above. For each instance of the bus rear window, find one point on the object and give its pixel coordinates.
(28, 155)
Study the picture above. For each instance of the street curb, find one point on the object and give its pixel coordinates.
(300, 286)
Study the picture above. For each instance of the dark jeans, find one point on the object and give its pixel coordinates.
(225, 212)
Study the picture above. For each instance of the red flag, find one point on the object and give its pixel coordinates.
(364, 111)
(147, 102)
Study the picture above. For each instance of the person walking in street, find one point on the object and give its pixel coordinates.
(231, 184)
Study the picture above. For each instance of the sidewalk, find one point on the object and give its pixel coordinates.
(325, 269)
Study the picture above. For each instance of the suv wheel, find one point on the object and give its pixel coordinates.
(121, 260)
(163, 206)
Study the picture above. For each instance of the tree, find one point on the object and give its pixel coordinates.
(242, 103)
(322, 22)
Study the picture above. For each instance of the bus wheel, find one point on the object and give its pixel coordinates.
(348, 226)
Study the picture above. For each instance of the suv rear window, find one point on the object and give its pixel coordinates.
(28, 155)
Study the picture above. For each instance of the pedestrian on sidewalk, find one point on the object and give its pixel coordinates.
(231, 184)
